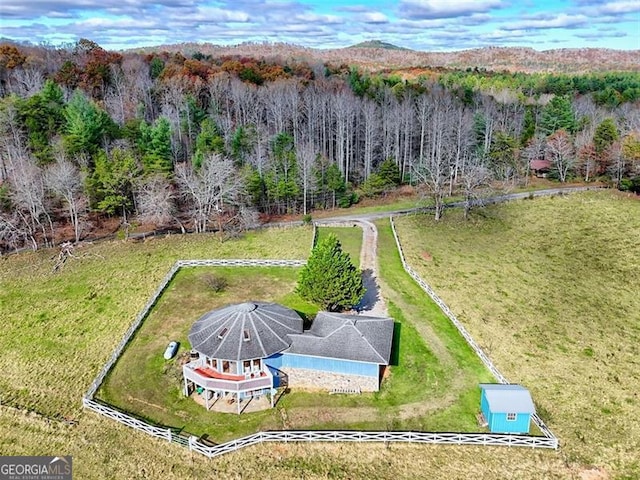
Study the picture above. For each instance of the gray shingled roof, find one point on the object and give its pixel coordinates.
(244, 331)
(508, 398)
(348, 337)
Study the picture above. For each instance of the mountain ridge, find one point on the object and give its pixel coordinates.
(492, 58)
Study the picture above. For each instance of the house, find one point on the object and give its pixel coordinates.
(540, 168)
(250, 349)
(506, 408)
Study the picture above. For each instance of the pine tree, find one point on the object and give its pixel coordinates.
(329, 279)
(558, 115)
(87, 126)
(155, 142)
(606, 133)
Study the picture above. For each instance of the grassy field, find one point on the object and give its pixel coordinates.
(550, 288)
(144, 384)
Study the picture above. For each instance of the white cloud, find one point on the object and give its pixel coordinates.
(431, 9)
(561, 20)
(373, 17)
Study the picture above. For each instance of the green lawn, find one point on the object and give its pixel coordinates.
(350, 239)
(550, 289)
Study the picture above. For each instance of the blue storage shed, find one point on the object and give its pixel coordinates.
(506, 408)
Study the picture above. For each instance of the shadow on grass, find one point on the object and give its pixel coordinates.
(395, 345)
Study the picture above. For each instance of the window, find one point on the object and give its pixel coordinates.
(223, 333)
(512, 417)
(245, 335)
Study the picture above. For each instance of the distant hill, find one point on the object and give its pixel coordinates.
(374, 57)
(378, 44)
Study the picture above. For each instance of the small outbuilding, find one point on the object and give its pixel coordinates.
(540, 168)
(506, 408)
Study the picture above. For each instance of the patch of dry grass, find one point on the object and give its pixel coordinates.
(549, 288)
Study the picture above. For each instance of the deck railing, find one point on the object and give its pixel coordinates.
(235, 386)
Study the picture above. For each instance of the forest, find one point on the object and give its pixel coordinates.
(199, 142)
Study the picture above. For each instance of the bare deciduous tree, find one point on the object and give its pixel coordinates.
(306, 160)
(28, 195)
(66, 181)
(560, 152)
(209, 189)
(155, 201)
(475, 182)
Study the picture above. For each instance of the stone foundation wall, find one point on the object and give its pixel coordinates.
(314, 379)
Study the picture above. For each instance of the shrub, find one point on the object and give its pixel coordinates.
(215, 282)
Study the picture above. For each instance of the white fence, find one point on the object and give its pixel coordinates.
(549, 441)
(463, 331)
(382, 437)
(127, 420)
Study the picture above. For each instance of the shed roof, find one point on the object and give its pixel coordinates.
(508, 398)
(244, 331)
(540, 164)
(346, 337)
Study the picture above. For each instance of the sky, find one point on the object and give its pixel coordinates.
(430, 25)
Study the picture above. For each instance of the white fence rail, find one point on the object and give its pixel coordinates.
(127, 420)
(463, 331)
(549, 441)
(383, 437)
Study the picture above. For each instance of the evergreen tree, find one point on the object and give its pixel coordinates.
(528, 126)
(111, 184)
(329, 279)
(606, 133)
(87, 126)
(42, 117)
(155, 143)
(207, 141)
(331, 182)
(390, 173)
(281, 180)
(558, 115)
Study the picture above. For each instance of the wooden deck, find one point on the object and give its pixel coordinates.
(211, 373)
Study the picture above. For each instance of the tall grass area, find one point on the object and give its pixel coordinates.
(551, 289)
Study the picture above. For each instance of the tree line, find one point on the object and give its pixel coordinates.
(200, 143)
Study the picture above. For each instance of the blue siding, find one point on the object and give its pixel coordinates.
(484, 406)
(500, 424)
(348, 367)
